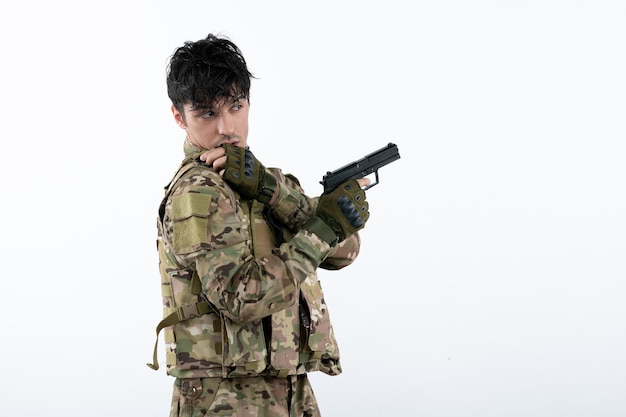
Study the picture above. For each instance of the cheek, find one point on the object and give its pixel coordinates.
(243, 124)
(201, 128)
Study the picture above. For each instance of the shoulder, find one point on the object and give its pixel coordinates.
(198, 186)
(200, 207)
(196, 174)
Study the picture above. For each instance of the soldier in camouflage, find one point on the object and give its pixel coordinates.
(244, 314)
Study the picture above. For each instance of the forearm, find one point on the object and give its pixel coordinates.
(290, 206)
(343, 254)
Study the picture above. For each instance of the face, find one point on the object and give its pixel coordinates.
(225, 122)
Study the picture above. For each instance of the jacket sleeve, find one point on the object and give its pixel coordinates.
(293, 208)
(206, 231)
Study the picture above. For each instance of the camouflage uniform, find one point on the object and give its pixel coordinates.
(245, 317)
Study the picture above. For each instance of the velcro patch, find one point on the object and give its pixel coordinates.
(190, 212)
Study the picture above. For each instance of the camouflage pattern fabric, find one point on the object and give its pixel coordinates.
(244, 397)
(268, 324)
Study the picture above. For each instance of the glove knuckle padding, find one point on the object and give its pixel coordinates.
(249, 164)
(241, 170)
(344, 209)
(232, 167)
(349, 211)
(246, 174)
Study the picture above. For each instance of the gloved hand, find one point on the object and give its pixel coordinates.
(247, 175)
(344, 210)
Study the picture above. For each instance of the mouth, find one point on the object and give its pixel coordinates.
(233, 142)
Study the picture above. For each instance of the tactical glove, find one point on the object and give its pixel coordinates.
(342, 212)
(247, 175)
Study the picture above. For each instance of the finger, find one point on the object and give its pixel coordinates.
(204, 156)
(364, 182)
(211, 155)
(219, 163)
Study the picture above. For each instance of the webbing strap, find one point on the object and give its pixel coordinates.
(189, 162)
(182, 313)
(192, 310)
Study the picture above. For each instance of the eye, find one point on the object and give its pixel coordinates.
(207, 114)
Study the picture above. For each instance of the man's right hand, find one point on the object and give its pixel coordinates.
(239, 167)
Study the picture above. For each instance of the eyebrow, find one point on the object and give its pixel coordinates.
(238, 98)
(231, 99)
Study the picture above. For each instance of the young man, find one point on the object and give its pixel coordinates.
(239, 244)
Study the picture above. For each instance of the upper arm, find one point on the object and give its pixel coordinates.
(202, 215)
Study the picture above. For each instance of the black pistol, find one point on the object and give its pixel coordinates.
(361, 168)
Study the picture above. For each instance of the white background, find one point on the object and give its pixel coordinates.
(492, 276)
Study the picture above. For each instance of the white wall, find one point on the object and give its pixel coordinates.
(492, 277)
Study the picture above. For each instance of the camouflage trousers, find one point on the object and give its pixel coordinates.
(244, 397)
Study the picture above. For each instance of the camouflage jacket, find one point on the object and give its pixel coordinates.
(242, 281)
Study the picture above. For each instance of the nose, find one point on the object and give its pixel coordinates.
(225, 124)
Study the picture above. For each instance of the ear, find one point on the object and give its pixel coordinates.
(179, 118)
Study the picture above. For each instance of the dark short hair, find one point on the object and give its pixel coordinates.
(201, 72)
